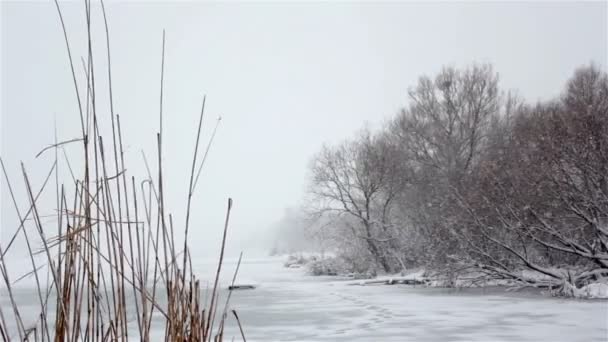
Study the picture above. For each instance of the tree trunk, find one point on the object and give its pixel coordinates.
(380, 258)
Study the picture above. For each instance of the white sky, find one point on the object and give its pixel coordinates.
(285, 78)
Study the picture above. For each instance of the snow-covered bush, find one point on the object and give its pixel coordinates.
(596, 290)
(296, 260)
(328, 266)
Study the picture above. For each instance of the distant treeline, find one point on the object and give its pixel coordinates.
(469, 178)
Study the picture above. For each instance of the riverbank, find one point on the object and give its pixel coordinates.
(290, 305)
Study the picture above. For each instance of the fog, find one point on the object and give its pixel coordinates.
(285, 79)
(423, 171)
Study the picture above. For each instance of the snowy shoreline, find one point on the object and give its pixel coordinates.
(290, 305)
(316, 265)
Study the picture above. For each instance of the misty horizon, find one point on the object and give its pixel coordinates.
(350, 170)
(285, 79)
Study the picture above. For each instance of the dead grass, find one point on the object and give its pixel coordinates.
(115, 255)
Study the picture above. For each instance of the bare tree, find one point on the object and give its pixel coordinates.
(468, 177)
(442, 135)
(541, 202)
(444, 125)
(358, 180)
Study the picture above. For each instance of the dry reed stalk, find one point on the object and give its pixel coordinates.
(92, 267)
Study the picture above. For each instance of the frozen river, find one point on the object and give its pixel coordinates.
(289, 305)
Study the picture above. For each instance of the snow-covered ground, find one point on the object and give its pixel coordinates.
(289, 305)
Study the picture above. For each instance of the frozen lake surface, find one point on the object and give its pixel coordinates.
(289, 305)
(292, 306)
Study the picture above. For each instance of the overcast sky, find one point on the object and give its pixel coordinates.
(285, 78)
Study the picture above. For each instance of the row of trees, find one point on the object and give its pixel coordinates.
(471, 178)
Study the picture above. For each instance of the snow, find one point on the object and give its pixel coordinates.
(598, 290)
(293, 306)
(289, 305)
(416, 276)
